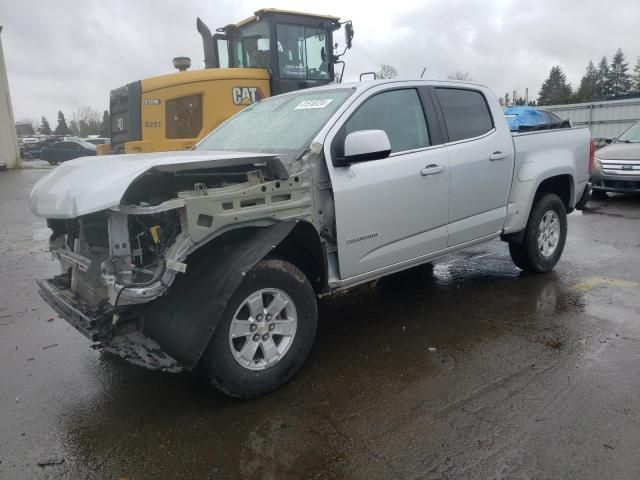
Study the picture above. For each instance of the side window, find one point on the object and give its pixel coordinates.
(183, 117)
(397, 112)
(466, 113)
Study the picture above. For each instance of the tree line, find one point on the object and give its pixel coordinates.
(85, 121)
(605, 81)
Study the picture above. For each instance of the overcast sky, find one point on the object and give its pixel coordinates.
(62, 54)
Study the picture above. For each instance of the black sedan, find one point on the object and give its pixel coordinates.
(67, 150)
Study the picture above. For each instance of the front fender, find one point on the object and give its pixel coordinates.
(183, 321)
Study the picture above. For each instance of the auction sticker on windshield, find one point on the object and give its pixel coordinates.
(313, 104)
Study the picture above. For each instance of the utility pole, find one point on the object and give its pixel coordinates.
(9, 151)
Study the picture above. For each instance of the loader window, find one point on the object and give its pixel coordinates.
(223, 52)
(183, 117)
(302, 52)
(252, 48)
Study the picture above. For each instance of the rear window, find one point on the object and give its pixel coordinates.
(466, 113)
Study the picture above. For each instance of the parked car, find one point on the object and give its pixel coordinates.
(215, 257)
(617, 166)
(531, 118)
(67, 150)
(97, 140)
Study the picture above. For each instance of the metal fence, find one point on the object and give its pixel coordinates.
(605, 119)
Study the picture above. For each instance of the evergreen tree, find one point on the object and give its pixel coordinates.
(555, 89)
(44, 128)
(62, 128)
(105, 126)
(603, 80)
(619, 80)
(635, 78)
(587, 90)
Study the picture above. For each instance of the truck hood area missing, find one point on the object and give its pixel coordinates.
(91, 184)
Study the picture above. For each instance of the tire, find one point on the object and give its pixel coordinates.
(599, 194)
(247, 375)
(528, 255)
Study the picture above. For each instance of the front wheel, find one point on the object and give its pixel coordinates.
(544, 237)
(265, 333)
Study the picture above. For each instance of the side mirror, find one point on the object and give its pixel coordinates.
(348, 34)
(366, 145)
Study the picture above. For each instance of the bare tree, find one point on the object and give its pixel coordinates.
(87, 120)
(29, 125)
(460, 76)
(386, 71)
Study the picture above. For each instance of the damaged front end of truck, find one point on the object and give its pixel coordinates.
(128, 230)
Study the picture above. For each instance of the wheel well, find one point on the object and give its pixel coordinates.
(303, 248)
(562, 186)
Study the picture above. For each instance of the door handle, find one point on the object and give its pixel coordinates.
(497, 156)
(431, 170)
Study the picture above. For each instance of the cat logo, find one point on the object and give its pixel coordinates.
(246, 95)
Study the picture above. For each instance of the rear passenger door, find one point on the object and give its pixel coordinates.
(480, 164)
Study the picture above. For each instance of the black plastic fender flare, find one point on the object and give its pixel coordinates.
(584, 199)
(183, 320)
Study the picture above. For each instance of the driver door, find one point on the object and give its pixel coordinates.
(394, 210)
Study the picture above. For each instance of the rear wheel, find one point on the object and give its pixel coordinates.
(544, 237)
(265, 333)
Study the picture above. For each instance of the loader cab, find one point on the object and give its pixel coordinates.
(272, 52)
(296, 48)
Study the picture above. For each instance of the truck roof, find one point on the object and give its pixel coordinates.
(365, 85)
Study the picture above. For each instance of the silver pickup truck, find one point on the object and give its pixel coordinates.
(214, 258)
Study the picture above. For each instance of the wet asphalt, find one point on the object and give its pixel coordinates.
(467, 369)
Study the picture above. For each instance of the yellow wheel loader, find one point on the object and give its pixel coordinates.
(272, 52)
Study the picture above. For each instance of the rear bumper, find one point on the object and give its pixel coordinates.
(95, 323)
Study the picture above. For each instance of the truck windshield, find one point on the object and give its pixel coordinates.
(631, 135)
(283, 124)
